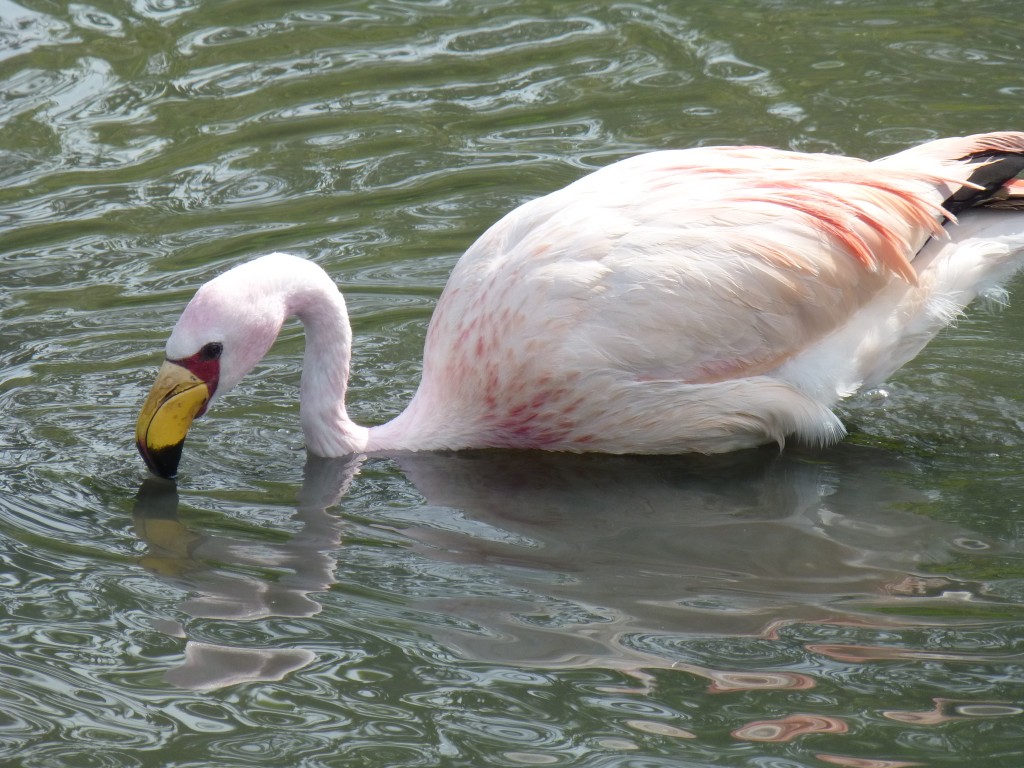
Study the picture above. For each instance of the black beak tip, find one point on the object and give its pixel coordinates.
(162, 462)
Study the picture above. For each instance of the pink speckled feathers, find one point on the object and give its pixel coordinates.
(695, 300)
(664, 303)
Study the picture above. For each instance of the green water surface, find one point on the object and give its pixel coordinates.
(859, 606)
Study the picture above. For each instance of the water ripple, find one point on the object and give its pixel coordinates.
(513, 35)
(469, 610)
(165, 11)
(789, 728)
(23, 30)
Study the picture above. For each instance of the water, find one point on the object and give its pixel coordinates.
(861, 606)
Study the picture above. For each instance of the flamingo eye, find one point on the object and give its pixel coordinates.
(211, 351)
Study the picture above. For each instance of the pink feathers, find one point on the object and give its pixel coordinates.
(694, 300)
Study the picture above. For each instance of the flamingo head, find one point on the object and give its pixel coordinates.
(224, 331)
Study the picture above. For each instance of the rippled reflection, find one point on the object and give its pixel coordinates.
(227, 577)
(722, 681)
(861, 762)
(947, 709)
(789, 728)
(603, 550)
(589, 561)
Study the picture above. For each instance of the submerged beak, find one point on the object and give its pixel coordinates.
(178, 396)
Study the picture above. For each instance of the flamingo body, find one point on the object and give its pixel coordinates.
(694, 300)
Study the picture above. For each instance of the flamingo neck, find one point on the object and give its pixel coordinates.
(325, 371)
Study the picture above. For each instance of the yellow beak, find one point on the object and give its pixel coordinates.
(177, 397)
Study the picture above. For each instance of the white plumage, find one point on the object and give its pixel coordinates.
(693, 300)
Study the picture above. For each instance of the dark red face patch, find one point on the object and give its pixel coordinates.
(205, 366)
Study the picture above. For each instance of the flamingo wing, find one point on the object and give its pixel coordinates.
(697, 266)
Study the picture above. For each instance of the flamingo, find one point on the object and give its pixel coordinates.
(698, 300)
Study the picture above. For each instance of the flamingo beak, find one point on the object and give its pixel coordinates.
(176, 399)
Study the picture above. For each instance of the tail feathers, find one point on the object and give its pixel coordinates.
(980, 170)
(993, 183)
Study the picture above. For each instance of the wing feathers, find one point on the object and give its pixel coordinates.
(689, 267)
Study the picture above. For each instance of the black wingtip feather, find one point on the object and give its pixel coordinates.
(993, 171)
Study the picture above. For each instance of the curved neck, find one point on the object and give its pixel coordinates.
(325, 370)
